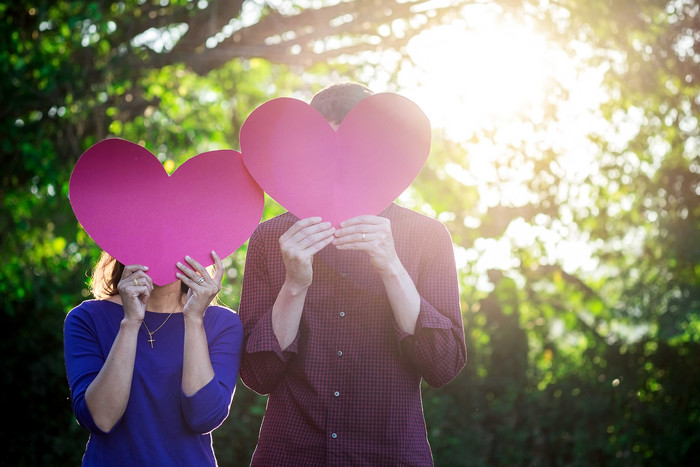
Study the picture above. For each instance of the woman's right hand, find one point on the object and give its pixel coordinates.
(108, 394)
(135, 288)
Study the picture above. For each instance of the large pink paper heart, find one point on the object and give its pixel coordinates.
(312, 170)
(127, 203)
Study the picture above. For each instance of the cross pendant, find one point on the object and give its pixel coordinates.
(151, 340)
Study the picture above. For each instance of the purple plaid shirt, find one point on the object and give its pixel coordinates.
(347, 390)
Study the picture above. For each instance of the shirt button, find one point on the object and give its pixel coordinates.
(342, 314)
(334, 435)
(344, 275)
(340, 353)
(336, 394)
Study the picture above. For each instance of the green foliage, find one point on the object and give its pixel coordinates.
(566, 366)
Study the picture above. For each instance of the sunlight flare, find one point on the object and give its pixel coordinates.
(464, 76)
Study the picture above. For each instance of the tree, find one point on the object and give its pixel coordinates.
(603, 345)
(566, 365)
(75, 72)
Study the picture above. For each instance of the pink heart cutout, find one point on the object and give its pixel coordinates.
(310, 169)
(132, 209)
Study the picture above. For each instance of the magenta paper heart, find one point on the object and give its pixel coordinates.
(312, 170)
(127, 203)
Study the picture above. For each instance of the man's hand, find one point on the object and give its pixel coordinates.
(371, 234)
(299, 244)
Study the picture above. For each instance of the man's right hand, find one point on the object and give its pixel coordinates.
(299, 244)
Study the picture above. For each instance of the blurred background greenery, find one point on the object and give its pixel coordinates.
(565, 163)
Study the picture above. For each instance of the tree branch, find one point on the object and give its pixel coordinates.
(275, 35)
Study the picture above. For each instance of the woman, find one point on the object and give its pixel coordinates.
(151, 375)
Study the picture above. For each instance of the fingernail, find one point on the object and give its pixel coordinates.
(187, 257)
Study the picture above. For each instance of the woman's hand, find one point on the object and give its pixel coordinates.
(135, 287)
(203, 287)
(299, 244)
(108, 394)
(371, 234)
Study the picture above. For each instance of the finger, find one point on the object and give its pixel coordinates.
(310, 235)
(133, 268)
(186, 271)
(219, 271)
(197, 267)
(300, 225)
(139, 285)
(313, 229)
(371, 246)
(307, 236)
(186, 280)
(149, 282)
(353, 237)
(190, 277)
(201, 276)
(136, 290)
(141, 276)
(310, 245)
(135, 279)
(356, 230)
(352, 246)
(318, 246)
(365, 219)
(313, 239)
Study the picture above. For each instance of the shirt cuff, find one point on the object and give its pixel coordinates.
(428, 317)
(203, 409)
(263, 339)
(85, 420)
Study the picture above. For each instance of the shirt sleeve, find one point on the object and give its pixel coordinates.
(207, 408)
(84, 360)
(264, 361)
(437, 348)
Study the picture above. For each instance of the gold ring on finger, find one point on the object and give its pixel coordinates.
(136, 282)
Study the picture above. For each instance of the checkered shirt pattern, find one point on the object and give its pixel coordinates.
(347, 390)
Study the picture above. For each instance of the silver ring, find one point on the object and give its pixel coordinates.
(363, 236)
(200, 280)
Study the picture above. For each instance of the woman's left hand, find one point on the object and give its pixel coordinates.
(203, 287)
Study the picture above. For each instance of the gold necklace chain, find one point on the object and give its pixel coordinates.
(151, 340)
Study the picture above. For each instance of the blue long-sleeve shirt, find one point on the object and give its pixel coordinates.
(161, 425)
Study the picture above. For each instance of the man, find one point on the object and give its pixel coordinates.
(341, 326)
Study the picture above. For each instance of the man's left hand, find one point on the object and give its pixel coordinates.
(371, 234)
